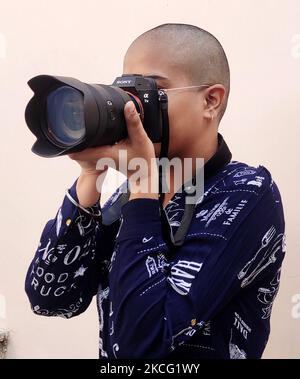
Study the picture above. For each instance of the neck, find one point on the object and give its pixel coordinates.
(204, 148)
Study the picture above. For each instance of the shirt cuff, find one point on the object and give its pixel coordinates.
(94, 210)
(140, 216)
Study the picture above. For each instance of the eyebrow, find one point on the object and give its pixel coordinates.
(165, 81)
(156, 76)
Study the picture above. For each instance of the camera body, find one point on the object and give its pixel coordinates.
(145, 89)
(67, 115)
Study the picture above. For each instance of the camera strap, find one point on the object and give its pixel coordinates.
(164, 148)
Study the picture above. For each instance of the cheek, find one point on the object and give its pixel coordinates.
(185, 117)
(179, 123)
(176, 120)
(178, 110)
(182, 116)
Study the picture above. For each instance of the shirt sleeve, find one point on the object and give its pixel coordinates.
(158, 301)
(71, 256)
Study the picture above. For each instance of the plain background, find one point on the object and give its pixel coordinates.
(87, 40)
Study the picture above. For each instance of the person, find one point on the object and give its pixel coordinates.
(212, 295)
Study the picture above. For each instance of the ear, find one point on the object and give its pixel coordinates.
(214, 97)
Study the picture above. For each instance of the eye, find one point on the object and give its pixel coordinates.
(159, 86)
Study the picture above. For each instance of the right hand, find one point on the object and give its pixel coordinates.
(86, 188)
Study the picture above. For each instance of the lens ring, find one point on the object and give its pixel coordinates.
(139, 103)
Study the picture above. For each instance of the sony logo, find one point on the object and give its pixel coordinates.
(123, 81)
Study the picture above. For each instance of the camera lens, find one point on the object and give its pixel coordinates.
(65, 116)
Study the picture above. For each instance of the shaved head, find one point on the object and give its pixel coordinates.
(193, 52)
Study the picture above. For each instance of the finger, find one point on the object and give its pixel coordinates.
(135, 129)
(94, 153)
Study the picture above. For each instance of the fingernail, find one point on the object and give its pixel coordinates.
(131, 107)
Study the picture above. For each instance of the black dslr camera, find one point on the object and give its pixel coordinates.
(67, 115)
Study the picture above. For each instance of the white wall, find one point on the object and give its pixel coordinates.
(87, 39)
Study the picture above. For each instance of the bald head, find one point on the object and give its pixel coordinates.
(196, 53)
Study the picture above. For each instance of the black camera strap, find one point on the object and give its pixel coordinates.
(164, 148)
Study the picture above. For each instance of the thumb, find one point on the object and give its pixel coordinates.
(135, 129)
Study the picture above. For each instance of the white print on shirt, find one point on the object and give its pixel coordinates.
(58, 222)
(154, 267)
(231, 163)
(220, 209)
(266, 254)
(241, 326)
(115, 349)
(284, 243)
(172, 211)
(111, 312)
(183, 269)
(151, 266)
(48, 283)
(243, 173)
(145, 240)
(266, 239)
(206, 331)
(61, 312)
(241, 181)
(48, 278)
(235, 212)
(214, 213)
(111, 329)
(185, 331)
(50, 255)
(45, 250)
(72, 255)
(275, 193)
(88, 247)
(61, 248)
(120, 226)
(257, 181)
(113, 256)
(80, 271)
(234, 351)
(84, 224)
(268, 258)
(267, 296)
(102, 294)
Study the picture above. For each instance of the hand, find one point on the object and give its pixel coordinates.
(136, 145)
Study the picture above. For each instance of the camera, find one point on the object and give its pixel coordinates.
(67, 115)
